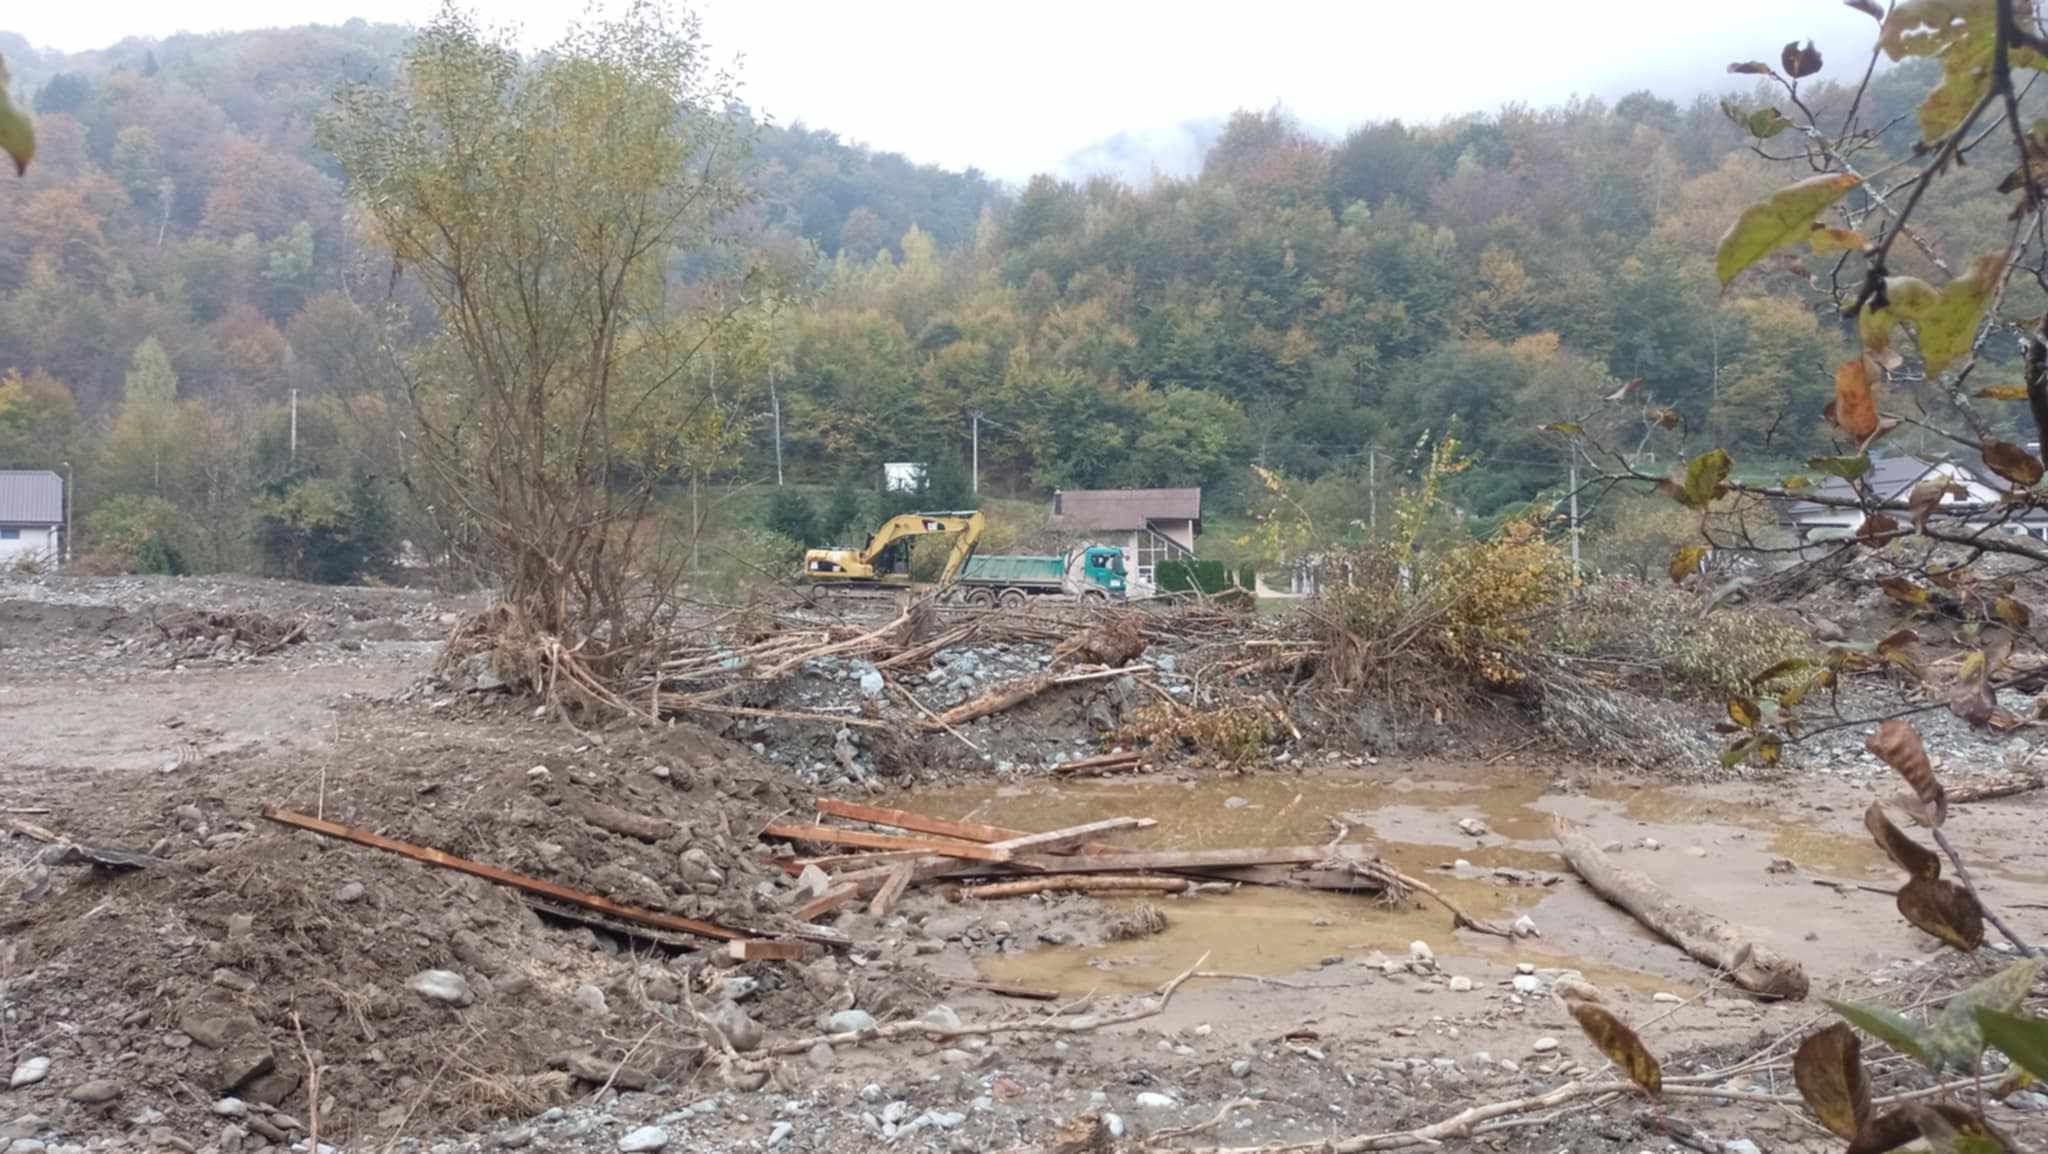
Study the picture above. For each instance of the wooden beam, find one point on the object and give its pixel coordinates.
(830, 835)
(496, 876)
(892, 889)
(919, 823)
(1175, 859)
(760, 950)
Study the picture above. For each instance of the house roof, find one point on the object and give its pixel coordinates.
(1123, 508)
(31, 497)
(1892, 479)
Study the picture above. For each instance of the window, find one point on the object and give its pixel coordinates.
(10, 534)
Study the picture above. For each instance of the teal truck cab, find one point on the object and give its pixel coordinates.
(1089, 573)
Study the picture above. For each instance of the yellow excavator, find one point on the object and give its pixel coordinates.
(876, 566)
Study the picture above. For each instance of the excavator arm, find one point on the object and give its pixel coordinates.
(963, 548)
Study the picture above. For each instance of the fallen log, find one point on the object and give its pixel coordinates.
(496, 876)
(1015, 693)
(625, 822)
(852, 886)
(1986, 789)
(1091, 883)
(1748, 964)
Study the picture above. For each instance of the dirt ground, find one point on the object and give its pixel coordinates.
(182, 1006)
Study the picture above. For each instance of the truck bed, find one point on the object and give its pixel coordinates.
(1013, 569)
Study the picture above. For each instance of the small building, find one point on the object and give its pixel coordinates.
(1149, 525)
(31, 517)
(902, 476)
(1891, 479)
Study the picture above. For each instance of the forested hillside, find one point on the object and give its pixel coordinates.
(182, 256)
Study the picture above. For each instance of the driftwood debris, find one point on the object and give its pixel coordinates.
(1084, 883)
(626, 823)
(1748, 964)
(496, 876)
(1015, 693)
(1990, 788)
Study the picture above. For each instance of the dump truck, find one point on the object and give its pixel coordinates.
(1088, 572)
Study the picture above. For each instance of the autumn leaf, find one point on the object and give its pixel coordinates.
(1828, 1069)
(1965, 48)
(1951, 1129)
(1798, 62)
(1780, 669)
(1974, 700)
(1924, 499)
(1620, 1044)
(1899, 745)
(1867, 7)
(1826, 239)
(1907, 854)
(1903, 591)
(2012, 462)
(1766, 123)
(1781, 220)
(2002, 393)
(1945, 910)
(2024, 1040)
(1663, 418)
(1743, 712)
(17, 137)
(1749, 68)
(1946, 319)
(1739, 751)
(1686, 562)
(1855, 404)
(1769, 748)
(1877, 530)
(1847, 468)
(1888, 1131)
(2012, 612)
(1703, 477)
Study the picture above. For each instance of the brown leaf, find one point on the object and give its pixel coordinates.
(1826, 239)
(1910, 855)
(1663, 418)
(1888, 1131)
(1876, 530)
(1743, 712)
(2011, 611)
(1924, 500)
(1898, 743)
(1798, 62)
(1952, 1129)
(1750, 68)
(1903, 591)
(1686, 562)
(1899, 640)
(1945, 910)
(2013, 463)
(1620, 1044)
(1829, 1071)
(1855, 405)
(1867, 7)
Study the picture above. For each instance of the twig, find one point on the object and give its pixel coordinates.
(1990, 915)
(1222, 1116)
(312, 1085)
(632, 1050)
(927, 711)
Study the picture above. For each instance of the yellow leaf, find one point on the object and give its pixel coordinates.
(2003, 393)
(1743, 712)
(1946, 319)
(1781, 220)
(1620, 1044)
(1828, 1070)
(1963, 34)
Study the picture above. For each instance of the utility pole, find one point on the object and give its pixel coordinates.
(295, 426)
(775, 399)
(976, 414)
(70, 483)
(1372, 489)
(1575, 511)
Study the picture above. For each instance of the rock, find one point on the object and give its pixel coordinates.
(1544, 1045)
(590, 1000)
(1652, 843)
(1419, 951)
(1739, 1146)
(444, 986)
(242, 1063)
(28, 1072)
(781, 1130)
(895, 1112)
(25, 1146)
(604, 1071)
(821, 1056)
(741, 1030)
(1523, 927)
(852, 1021)
(663, 990)
(738, 988)
(1472, 827)
(216, 1032)
(1153, 1100)
(1461, 985)
(871, 683)
(1528, 984)
(539, 775)
(515, 1139)
(956, 1057)
(1235, 803)
(1667, 998)
(96, 1092)
(813, 882)
(643, 1139)
(2027, 1100)
(231, 1108)
(943, 1019)
(660, 772)
(1241, 1068)
(348, 892)
(1696, 851)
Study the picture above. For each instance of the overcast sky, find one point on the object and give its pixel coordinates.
(1017, 88)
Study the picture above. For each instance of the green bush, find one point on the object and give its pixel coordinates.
(1651, 625)
(1185, 574)
(792, 516)
(132, 534)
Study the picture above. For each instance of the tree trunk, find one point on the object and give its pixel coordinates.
(1749, 965)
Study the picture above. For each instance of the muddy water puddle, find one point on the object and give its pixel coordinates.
(1411, 822)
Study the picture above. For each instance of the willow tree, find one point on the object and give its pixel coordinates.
(539, 205)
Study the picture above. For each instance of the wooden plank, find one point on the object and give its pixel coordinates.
(501, 877)
(920, 823)
(828, 835)
(1071, 836)
(853, 885)
(892, 889)
(1175, 859)
(761, 950)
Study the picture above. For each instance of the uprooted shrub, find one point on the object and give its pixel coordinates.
(1653, 632)
(1439, 624)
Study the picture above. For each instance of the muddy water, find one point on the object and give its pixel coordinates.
(1411, 823)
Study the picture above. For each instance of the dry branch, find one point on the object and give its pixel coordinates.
(1986, 789)
(1749, 965)
(1089, 883)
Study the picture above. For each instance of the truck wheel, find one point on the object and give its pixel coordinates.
(1013, 598)
(982, 597)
